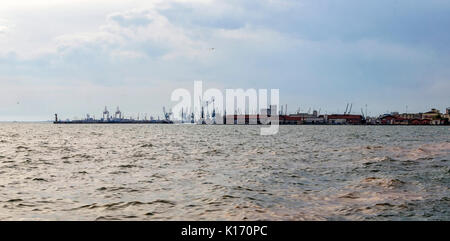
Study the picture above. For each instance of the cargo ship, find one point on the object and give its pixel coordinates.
(116, 119)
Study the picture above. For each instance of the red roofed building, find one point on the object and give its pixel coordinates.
(345, 119)
(291, 120)
(419, 122)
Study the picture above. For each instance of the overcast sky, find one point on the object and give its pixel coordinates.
(74, 57)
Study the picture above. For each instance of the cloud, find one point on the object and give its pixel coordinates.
(5, 26)
(132, 18)
(3, 29)
(141, 32)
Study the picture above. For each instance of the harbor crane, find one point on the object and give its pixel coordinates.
(182, 115)
(105, 113)
(213, 114)
(202, 109)
(118, 114)
(167, 114)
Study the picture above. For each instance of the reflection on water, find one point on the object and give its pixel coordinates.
(188, 172)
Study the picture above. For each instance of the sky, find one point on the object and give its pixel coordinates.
(76, 56)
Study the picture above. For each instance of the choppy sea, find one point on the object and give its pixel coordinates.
(195, 172)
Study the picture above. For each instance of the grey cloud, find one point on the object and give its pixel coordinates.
(132, 18)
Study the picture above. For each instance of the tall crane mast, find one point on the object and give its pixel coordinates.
(182, 115)
(105, 113)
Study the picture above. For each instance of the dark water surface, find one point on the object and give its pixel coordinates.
(188, 172)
